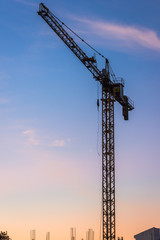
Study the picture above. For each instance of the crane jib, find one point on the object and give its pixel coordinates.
(109, 81)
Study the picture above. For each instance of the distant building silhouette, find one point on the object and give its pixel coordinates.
(90, 234)
(120, 238)
(150, 234)
(33, 235)
(48, 236)
(73, 233)
(4, 236)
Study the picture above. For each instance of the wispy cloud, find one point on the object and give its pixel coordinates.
(26, 2)
(129, 36)
(4, 101)
(60, 142)
(31, 137)
(4, 76)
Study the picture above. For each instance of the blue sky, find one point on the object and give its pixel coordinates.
(50, 169)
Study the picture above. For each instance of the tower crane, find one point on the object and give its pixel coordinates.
(112, 90)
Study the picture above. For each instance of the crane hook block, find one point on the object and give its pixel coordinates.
(97, 103)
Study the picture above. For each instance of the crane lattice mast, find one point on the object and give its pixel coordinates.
(112, 90)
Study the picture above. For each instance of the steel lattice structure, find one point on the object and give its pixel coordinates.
(108, 165)
(112, 90)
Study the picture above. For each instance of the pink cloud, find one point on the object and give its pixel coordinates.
(128, 35)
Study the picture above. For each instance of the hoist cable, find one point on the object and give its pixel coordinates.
(79, 37)
(98, 120)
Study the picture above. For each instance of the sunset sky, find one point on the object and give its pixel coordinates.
(49, 142)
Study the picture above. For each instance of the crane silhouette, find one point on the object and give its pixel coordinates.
(112, 90)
